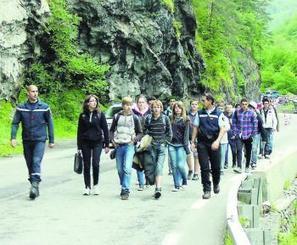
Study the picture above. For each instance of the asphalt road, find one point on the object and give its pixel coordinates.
(62, 215)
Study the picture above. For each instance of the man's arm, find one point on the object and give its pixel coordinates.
(14, 127)
(50, 126)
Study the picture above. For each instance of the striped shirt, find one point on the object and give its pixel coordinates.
(156, 128)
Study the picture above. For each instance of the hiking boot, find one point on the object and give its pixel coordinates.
(216, 189)
(195, 177)
(190, 175)
(206, 195)
(237, 170)
(34, 190)
(86, 191)
(157, 194)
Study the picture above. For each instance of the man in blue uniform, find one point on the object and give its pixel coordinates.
(36, 118)
(209, 130)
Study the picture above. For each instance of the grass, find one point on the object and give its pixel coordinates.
(64, 129)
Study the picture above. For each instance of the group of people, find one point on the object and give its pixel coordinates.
(198, 137)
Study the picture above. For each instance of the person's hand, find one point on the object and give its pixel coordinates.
(106, 149)
(51, 145)
(79, 151)
(215, 145)
(193, 147)
(13, 143)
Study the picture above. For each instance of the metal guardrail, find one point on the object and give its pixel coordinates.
(238, 234)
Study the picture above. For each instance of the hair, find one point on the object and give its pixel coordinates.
(194, 101)
(141, 96)
(86, 102)
(243, 100)
(157, 103)
(151, 98)
(210, 97)
(127, 101)
(180, 105)
(265, 99)
(28, 88)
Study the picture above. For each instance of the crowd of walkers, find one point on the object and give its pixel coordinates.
(196, 140)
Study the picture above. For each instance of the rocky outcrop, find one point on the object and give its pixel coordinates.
(20, 24)
(150, 50)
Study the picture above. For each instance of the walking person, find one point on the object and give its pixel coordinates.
(90, 141)
(36, 119)
(158, 126)
(257, 137)
(245, 126)
(224, 141)
(178, 147)
(209, 132)
(125, 131)
(192, 158)
(269, 125)
(228, 112)
(141, 110)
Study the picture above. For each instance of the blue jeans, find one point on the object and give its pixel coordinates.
(124, 159)
(255, 149)
(224, 150)
(140, 177)
(178, 160)
(158, 153)
(33, 153)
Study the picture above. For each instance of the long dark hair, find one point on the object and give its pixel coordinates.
(86, 102)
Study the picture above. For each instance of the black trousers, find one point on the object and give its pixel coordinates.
(236, 148)
(209, 159)
(248, 143)
(91, 152)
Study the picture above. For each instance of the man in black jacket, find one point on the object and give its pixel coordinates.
(35, 117)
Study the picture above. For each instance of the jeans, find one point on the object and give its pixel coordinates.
(236, 148)
(140, 177)
(178, 160)
(206, 155)
(33, 153)
(224, 151)
(255, 148)
(91, 150)
(124, 159)
(268, 141)
(158, 154)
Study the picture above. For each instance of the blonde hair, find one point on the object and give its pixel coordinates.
(180, 105)
(157, 103)
(127, 101)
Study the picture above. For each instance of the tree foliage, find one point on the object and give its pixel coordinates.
(62, 66)
(225, 28)
(279, 70)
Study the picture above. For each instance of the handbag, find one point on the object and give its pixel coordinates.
(78, 163)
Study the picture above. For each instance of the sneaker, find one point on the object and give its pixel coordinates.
(266, 156)
(206, 195)
(254, 166)
(169, 173)
(86, 192)
(247, 170)
(190, 175)
(195, 177)
(34, 191)
(141, 188)
(222, 172)
(157, 194)
(237, 170)
(216, 189)
(183, 187)
(175, 189)
(225, 166)
(125, 196)
(95, 190)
